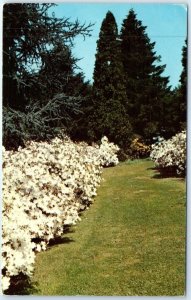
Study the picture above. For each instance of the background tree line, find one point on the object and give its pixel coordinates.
(131, 97)
(45, 95)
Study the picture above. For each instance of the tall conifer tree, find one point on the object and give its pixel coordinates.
(29, 35)
(183, 87)
(145, 86)
(179, 98)
(109, 94)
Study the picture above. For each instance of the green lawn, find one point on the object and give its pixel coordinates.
(130, 242)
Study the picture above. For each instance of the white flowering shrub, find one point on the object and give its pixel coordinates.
(171, 154)
(45, 185)
(108, 153)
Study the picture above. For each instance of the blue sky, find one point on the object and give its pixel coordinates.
(166, 25)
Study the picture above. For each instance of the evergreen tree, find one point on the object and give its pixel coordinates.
(58, 75)
(29, 35)
(145, 87)
(41, 91)
(109, 116)
(176, 116)
(183, 88)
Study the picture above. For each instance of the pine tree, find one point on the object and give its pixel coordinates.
(29, 35)
(145, 86)
(58, 68)
(41, 91)
(109, 115)
(183, 88)
(176, 114)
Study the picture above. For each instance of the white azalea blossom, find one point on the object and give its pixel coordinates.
(45, 185)
(171, 153)
(5, 282)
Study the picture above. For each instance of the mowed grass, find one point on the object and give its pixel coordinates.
(130, 242)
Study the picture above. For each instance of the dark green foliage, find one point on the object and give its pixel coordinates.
(56, 70)
(57, 75)
(109, 116)
(39, 72)
(182, 97)
(39, 122)
(183, 78)
(32, 41)
(145, 85)
(175, 116)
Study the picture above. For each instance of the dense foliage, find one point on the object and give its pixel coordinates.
(183, 86)
(180, 96)
(39, 73)
(45, 186)
(40, 122)
(138, 149)
(130, 93)
(145, 86)
(175, 114)
(33, 40)
(109, 116)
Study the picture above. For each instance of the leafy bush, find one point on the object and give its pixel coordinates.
(139, 149)
(170, 155)
(45, 186)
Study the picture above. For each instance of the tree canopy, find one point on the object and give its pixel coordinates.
(145, 85)
(109, 95)
(39, 70)
(31, 38)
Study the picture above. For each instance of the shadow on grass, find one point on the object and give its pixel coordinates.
(59, 241)
(67, 229)
(21, 285)
(161, 173)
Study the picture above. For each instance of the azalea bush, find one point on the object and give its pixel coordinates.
(170, 155)
(45, 187)
(139, 149)
(108, 153)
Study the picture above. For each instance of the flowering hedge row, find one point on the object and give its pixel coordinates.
(171, 154)
(45, 186)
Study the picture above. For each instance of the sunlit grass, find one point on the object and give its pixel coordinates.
(130, 242)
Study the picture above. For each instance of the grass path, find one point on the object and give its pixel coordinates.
(130, 242)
